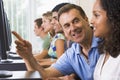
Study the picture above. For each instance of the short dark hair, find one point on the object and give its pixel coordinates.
(38, 21)
(68, 7)
(57, 7)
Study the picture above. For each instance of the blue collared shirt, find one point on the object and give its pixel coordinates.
(72, 61)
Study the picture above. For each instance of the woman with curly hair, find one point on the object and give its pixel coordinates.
(106, 22)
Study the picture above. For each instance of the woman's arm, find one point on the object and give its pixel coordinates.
(59, 47)
(41, 55)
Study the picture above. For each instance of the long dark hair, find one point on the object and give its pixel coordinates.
(112, 45)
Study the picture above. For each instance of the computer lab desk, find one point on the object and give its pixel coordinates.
(23, 75)
(19, 72)
(15, 65)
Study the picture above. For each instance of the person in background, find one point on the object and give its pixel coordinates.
(47, 28)
(57, 43)
(55, 50)
(57, 25)
(39, 31)
(106, 23)
(80, 59)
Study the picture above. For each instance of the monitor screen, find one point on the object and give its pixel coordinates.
(5, 33)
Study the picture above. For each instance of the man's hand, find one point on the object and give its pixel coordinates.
(24, 48)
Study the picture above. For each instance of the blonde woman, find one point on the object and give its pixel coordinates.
(56, 48)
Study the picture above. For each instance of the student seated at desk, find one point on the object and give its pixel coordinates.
(56, 48)
(39, 31)
(55, 22)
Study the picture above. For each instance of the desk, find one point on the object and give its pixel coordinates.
(15, 65)
(24, 75)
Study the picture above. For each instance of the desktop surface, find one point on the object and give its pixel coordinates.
(23, 75)
(15, 65)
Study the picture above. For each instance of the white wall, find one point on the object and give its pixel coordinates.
(87, 5)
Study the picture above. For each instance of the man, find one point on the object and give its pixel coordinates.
(80, 59)
(57, 25)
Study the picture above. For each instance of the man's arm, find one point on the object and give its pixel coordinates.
(44, 72)
(24, 49)
(59, 47)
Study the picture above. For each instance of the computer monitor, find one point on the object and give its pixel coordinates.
(5, 33)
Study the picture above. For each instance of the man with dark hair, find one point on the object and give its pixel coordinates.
(57, 7)
(80, 59)
(55, 22)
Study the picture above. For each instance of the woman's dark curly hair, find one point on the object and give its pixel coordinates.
(112, 45)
